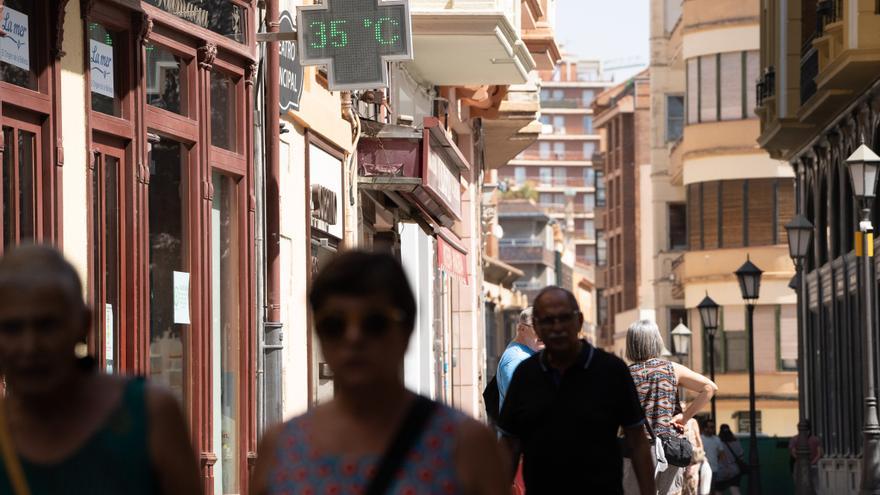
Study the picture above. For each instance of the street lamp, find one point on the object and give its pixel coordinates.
(800, 232)
(749, 277)
(681, 339)
(863, 167)
(709, 315)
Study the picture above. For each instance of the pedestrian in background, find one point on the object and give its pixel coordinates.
(65, 427)
(692, 478)
(522, 347)
(815, 452)
(731, 465)
(565, 406)
(657, 382)
(375, 437)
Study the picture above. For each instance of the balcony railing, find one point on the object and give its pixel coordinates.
(809, 71)
(561, 182)
(527, 242)
(766, 85)
(827, 12)
(563, 103)
(556, 155)
(533, 255)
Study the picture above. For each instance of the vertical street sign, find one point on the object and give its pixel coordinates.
(291, 72)
(355, 39)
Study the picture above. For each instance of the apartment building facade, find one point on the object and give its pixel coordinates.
(738, 201)
(818, 102)
(559, 168)
(622, 114)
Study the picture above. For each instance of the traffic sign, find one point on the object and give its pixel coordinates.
(355, 39)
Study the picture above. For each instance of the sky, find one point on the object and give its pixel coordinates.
(610, 31)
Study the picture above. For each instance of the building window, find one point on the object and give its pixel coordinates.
(589, 177)
(560, 176)
(721, 86)
(601, 248)
(104, 77)
(559, 124)
(589, 149)
(545, 94)
(602, 307)
(558, 94)
(736, 351)
(587, 96)
(588, 125)
(674, 117)
(677, 226)
(167, 85)
(519, 175)
(743, 425)
(600, 188)
(559, 150)
(546, 120)
(589, 202)
(544, 150)
(545, 199)
(786, 323)
(545, 175)
(590, 229)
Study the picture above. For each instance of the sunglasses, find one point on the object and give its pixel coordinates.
(563, 319)
(373, 324)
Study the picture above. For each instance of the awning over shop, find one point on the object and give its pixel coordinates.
(451, 256)
(424, 166)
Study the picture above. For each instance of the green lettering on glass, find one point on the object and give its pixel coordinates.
(321, 42)
(338, 37)
(382, 37)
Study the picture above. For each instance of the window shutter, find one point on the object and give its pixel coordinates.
(693, 88)
(788, 345)
(731, 86)
(732, 213)
(735, 358)
(761, 212)
(785, 195)
(710, 214)
(765, 339)
(751, 80)
(708, 88)
(694, 207)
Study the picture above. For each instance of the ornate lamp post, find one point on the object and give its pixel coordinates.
(709, 315)
(749, 277)
(800, 232)
(864, 166)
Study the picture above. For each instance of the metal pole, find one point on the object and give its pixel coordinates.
(712, 368)
(803, 479)
(871, 446)
(754, 466)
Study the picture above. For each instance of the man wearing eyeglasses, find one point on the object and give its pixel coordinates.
(565, 405)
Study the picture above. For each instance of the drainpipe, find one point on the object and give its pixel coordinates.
(273, 324)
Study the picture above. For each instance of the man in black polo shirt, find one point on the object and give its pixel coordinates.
(565, 405)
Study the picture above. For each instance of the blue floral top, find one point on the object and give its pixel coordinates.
(429, 470)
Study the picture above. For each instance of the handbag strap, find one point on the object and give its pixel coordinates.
(738, 458)
(405, 438)
(10, 458)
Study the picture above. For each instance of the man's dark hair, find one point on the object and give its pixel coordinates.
(365, 275)
(572, 301)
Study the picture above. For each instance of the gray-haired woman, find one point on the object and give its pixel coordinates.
(657, 382)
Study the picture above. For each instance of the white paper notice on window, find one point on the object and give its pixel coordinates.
(108, 336)
(15, 48)
(101, 64)
(181, 298)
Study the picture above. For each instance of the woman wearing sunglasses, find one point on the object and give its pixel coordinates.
(375, 437)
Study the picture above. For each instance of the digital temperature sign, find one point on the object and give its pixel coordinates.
(355, 39)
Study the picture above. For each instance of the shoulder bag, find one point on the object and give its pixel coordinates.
(404, 440)
(10, 458)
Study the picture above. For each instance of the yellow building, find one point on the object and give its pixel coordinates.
(818, 102)
(738, 200)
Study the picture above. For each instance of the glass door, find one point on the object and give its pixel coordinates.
(21, 183)
(106, 198)
(227, 331)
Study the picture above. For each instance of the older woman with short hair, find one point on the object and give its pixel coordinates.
(657, 382)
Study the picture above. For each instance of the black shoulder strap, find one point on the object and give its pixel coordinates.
(405, 438)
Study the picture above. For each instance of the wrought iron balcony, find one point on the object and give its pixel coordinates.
(809, 71)
(766, 85)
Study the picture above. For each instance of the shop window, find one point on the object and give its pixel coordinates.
(226, 334)
(20, 179)
(103, 59)
(167, 84)
(223, 17)
(169, 271)
(223, 111)
(19, 53)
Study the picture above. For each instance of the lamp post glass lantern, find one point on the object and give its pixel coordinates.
(800, 232)
(863, 166)
(749, 277)
(709, 316)
(681, 339)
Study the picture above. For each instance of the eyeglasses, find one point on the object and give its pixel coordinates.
(563, 319)
(373, 324)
